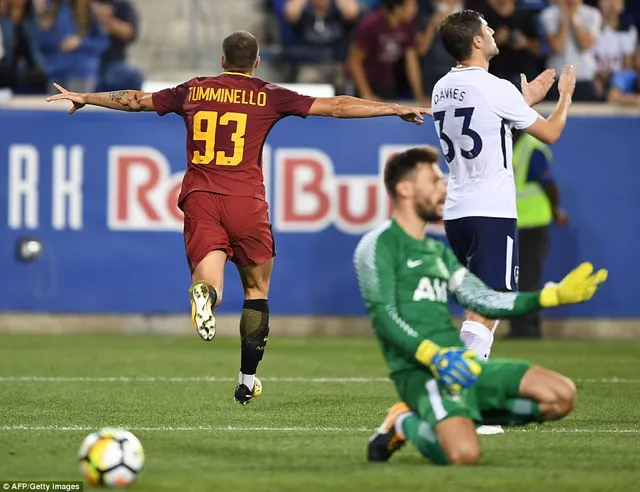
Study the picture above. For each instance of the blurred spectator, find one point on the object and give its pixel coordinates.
(120, 21)
(571, 29)
(71, 41)
(625, 84)
(535, 5)
(631, 11)
(435, 60)
(21, 66)
(322, 27)
(6, 37)
(616, 44)
(368, 5)
(517, 38)
(383, 42)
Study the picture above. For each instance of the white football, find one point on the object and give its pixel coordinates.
(111, 458)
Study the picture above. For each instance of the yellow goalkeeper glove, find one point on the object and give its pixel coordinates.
(454, 367)
(578, 286)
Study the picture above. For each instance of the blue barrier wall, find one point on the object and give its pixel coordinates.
(99, 190)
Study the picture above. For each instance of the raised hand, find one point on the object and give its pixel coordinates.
(578, 286)
(413, 114)
(535, 91)
(567, 82)
(78, 100)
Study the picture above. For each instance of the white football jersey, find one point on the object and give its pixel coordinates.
(473, 112)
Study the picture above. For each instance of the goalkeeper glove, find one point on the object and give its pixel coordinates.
(578, 286)
(454, 367)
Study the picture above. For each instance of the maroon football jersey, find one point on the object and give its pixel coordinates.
(228, 118)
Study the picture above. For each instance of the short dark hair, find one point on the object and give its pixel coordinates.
(457, 32)
(389, 5)
(401, 165)
(240, 49)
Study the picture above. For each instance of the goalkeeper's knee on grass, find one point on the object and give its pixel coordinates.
(561, 399)
(425, 439)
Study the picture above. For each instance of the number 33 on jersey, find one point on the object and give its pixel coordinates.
(473, 112)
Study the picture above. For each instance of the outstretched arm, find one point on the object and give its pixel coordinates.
(353, 107)
(577, 286)
(473, 294)
(120, 100)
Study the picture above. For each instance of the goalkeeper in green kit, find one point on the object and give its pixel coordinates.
(445, 390)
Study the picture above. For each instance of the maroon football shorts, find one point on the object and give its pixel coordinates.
(237, 225)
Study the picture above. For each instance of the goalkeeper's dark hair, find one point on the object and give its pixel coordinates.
(240, 49)
(457, 32)
(402, 165)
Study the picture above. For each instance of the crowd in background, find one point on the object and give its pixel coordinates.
(81, 44)
(389, 49)
(376, 49)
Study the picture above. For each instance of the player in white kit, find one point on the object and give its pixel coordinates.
(473, 112)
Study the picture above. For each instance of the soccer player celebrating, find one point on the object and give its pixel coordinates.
(445, 390)
(472, 113)
(227, 118)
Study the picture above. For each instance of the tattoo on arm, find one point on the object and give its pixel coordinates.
(128, 100)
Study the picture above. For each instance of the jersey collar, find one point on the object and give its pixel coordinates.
(236, 73)
(407, 237)
(465, 69)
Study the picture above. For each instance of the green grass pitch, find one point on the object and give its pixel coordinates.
(322, 399)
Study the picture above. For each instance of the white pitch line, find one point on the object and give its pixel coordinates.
(609, 381)
(205, 428)
(579, 431)
(187, 379)
(216, 379)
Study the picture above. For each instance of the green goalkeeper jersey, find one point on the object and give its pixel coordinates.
(405, 283)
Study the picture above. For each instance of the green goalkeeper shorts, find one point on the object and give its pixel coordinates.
(498, 383)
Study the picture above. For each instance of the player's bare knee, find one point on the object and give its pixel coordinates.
(565, 396)
(464, 453)
(458, 439)
(562, 400)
